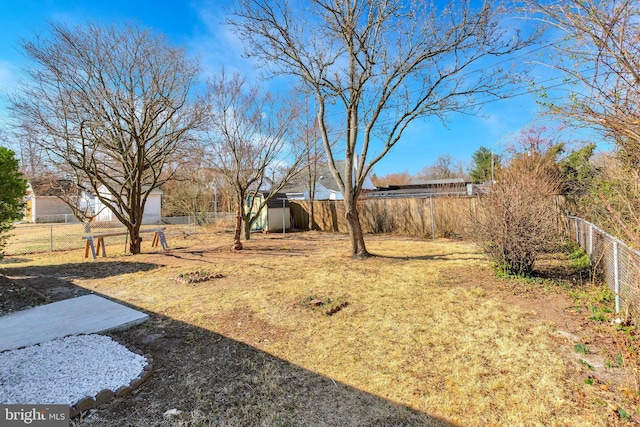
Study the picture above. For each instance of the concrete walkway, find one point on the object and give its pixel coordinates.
(87, 314)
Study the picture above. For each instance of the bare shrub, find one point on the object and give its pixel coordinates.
(516, 220)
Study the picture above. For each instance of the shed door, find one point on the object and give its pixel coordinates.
(261, 222)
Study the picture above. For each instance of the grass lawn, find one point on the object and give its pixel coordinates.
(292, 331)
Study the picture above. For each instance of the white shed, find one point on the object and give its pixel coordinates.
(44, 202)
(275, 216)
(152, 209)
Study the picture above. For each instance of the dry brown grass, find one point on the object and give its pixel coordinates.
(423, 328)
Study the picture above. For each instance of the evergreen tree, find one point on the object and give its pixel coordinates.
(481, 166)
(12, 191)
(577, 171)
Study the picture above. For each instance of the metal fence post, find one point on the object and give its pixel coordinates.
(616, 281)
(590, 240)
(284, 227)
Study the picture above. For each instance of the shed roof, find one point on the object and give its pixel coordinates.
(51, 187)
(276, 200)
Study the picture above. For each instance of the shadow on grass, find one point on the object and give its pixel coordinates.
(451, 256)
(13, 260)
(248, 250)
(54, 280)
(218, 381)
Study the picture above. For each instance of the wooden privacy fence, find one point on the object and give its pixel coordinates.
(432, 217)
(449, 216)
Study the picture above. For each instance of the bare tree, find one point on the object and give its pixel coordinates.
(71, 191)
(32, 153)
(395, 178)
(599, 51)
(64, 182)
(307, 131)
(443, 168)
(249, 135)
(197, 190)
(111, 104)
(379, 65)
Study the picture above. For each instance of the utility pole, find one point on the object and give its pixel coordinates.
(492, 166)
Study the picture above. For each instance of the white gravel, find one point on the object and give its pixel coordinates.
(66, 370)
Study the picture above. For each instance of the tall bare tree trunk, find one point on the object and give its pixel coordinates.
(237, 244)
(247, 227)
(358, 248)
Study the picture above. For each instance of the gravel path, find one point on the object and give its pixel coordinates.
(66, 370)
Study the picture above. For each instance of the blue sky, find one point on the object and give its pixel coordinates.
(197, 24)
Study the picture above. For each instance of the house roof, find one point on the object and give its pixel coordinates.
(299, 183)
(425, 188)
(447, 181)
(47, 187)
(429, 184)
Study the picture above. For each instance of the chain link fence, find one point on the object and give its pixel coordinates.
(35, 238)
(618, 264)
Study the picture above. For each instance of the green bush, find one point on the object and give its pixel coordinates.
(13, 188)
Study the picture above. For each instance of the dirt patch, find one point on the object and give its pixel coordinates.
(15, 297)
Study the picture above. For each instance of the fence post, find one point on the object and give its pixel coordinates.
(590, 240)
(51, 238)
(616, 281)
(578, 233)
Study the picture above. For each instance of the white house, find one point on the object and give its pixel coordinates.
(152, 209)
